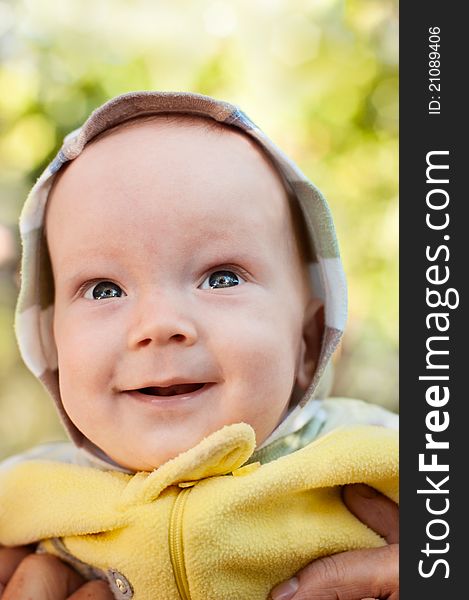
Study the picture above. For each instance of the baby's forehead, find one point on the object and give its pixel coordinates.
(178, 130)
(185, 149)
(176, 150)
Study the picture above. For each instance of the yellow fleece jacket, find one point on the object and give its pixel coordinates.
(202, 526)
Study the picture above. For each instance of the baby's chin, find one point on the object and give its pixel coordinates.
(146, 460)
(152, 456)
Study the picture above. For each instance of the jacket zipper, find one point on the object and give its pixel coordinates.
(176, 544)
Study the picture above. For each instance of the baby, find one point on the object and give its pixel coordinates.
(181, 275)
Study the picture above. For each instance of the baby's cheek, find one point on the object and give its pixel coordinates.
(269, 380)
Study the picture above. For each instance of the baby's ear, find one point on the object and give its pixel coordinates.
(313, 329)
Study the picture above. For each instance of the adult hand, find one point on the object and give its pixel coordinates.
(357, 574)
(28, 576)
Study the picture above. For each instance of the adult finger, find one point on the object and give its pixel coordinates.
(97, 590)
(353, 575)
(42, 577)
(10, 558)
(375, 510)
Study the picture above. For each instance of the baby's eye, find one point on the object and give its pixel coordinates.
(221, 279)
(104, 289)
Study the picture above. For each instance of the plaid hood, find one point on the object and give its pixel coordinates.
(34, 314)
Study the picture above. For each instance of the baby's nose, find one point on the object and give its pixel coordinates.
(160, 322)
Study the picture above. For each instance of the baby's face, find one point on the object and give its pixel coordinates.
(180, 301)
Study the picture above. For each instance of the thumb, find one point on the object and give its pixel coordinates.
(353, 575)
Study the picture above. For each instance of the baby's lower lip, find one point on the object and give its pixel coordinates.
(162, 396)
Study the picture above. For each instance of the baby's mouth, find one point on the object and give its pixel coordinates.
(171, 390)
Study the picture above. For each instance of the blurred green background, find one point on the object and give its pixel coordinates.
(319, 76)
